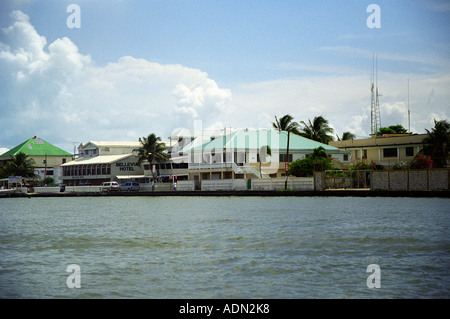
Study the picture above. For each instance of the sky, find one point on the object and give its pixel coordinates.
(135, 67)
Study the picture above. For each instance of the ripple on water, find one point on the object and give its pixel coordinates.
(197, 247)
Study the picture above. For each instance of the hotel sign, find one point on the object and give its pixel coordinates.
(127, 166)
(15, 179)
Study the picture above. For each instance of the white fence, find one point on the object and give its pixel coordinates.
(68, 189)
(224, 184)
(296, 183)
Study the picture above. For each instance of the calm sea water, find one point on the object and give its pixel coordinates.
(224, 247)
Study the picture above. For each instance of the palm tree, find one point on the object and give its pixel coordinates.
(436, 143)
(346, 136)
(152, 149)
(20, 165)
(286, 124)
(317, 130)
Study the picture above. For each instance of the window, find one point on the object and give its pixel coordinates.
(410, 151)
(345, 157)
(390, 152)
(86, 152)
(364, 154)
(64, 161)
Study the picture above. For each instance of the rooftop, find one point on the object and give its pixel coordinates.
(255, 139)
(113, 144)
(381, 141)
(106, 159)
(36, 146)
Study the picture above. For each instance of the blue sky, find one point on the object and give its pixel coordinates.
(140, 66)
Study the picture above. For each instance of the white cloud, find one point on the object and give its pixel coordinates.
(57, 89)
(60, 94)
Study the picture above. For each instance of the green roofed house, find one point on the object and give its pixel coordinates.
(47, 157)
(242, 154)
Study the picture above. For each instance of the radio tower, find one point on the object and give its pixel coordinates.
(375, 120)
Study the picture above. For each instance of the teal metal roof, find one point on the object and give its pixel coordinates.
(254, 140)
(36, 146)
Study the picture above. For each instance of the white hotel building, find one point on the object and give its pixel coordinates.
(99, 162)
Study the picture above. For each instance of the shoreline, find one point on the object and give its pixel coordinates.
(247, 193)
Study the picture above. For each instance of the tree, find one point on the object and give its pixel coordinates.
(392, 129)
(305, 167)
(317, 130)
(20, 165)
(436, 143)
(152, 149)
(346, 136)
(302, 167)
(287, 124)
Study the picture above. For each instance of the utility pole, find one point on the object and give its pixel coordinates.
(286, 164)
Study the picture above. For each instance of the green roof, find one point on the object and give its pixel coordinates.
(36, 146)
(253, 140)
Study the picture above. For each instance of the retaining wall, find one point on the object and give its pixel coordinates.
(414, 180)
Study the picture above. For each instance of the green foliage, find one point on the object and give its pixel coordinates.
(19, 165)
(317, 130)
(392, 129)
(400, 165)
(436, 143)
(305, 167)
(286, 123)
(151, 149)
(346, 136)
(360, 165)
(421, 161)
(302, 167)
(48, 181)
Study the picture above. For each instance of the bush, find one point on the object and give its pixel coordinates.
(421, 161)
(360, 165)
(302, 167)
(400, 165)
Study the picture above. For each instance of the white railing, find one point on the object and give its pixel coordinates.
(296, 183)
(224, 184)
(210, 165)
(246, 169)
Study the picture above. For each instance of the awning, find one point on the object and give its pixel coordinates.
(130, 176)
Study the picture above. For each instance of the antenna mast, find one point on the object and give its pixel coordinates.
(409, 113)
(375, 103)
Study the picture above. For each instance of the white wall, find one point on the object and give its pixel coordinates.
(296, 183)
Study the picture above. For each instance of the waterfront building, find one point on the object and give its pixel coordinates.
(178, 148)
(243, 155)
(47, 157)
(101, 161)
(385, 150)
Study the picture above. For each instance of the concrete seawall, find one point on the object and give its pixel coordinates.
(290, 193)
